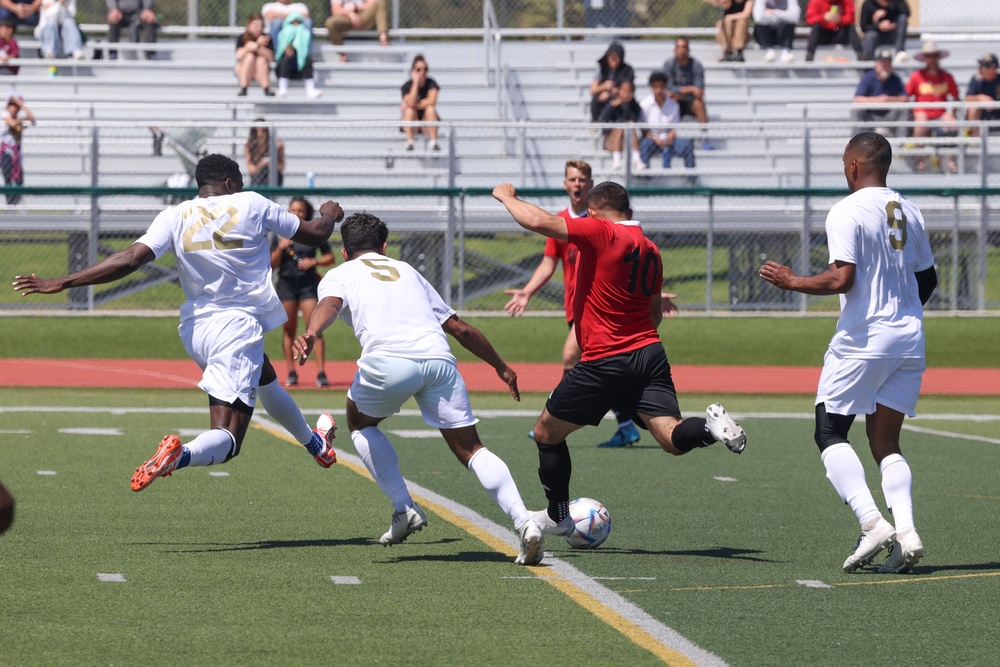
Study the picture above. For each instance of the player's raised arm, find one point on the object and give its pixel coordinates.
(316, 231)
(473, 340)
(323, 315)
(109, 269)
(529, 216)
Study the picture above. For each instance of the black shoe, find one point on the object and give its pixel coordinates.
(268, 92)
(321, 380)
(293, 379)
(727, 57)
(738, 57)
(810, 57)
(242, 93)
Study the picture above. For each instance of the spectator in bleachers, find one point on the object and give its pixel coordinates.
(733, 28)
(294, 60)
(984, 87)
(831, 22)
(8, 46)
(612, 72)
(686, 84)
(348, 15)
(23, 12)
(420, 95)
(276, 12)
(16, 114)
(254, 53)
(258, 155)
(883, 23)
(774, 27)
(659, 113)
(57, 30)
(622, 108)
(932, 84)
(881, 85)
(138, 17)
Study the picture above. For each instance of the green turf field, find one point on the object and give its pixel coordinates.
(237, 570)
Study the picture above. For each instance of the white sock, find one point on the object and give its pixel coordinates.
(616, 155)
(310, 85)
(495, 477)
(897, 483)
(845, 472)
(211, 447)
(282, 86)
(380, 457)
(281, 406)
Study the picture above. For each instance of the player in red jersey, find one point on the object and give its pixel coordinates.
(617, 307)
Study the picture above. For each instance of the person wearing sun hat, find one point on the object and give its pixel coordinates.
(932, 84)
(984, 87)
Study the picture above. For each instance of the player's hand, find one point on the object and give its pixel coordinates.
(306, 263)
(507, 374)
(668, 307)
(518, 302)
(331, 209)
(778, 275)
(504, 191)
(285, 243)
(302, 347)
(34, 285)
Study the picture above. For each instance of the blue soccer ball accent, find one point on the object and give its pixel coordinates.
(591, 523)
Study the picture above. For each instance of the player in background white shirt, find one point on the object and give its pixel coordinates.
(401, 322)
(882, 267)
(223, 262)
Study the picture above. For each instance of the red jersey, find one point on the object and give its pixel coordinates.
(567, 253)
(618, 271)
(926, 87)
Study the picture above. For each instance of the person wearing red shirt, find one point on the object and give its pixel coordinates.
(831, 22)
(932, 84)
(617, 307)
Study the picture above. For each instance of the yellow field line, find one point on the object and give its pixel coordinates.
(630, 630)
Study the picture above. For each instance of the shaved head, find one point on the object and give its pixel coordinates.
(867, 159)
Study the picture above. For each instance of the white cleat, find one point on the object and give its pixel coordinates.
(403, 525)
(874, 537)
(532, 544)
(548, 526)
(905, 551)
(722, 427)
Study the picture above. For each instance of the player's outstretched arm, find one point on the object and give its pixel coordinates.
(473, 340)
(323, 315)
(519, 297)
(316, 231)
(529, 216)
(837, 279)
(667, 306)
(109, 269)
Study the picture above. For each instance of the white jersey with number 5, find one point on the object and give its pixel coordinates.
(883, 235)
(393, 310)
(223, 254)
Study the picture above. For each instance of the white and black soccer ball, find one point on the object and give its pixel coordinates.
(591, 523)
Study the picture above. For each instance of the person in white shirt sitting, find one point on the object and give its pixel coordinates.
(659, 112)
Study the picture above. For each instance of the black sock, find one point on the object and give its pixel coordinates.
(554, 471)
(691, 433)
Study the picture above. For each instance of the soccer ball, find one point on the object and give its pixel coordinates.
(591, 524)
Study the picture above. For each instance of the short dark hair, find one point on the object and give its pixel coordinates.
(874, 148)
(658, 77)
(9, 23)
(609, 196)
(216, 168)
(310, 211)
(363, 231)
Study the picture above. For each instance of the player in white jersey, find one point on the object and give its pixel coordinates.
(882, 267)
(223, 262)
(401, 322)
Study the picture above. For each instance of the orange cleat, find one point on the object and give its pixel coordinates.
(163, 463)
(326, 429)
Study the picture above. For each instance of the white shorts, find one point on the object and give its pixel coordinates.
(382, 384)
(229, 348)
(851, 386)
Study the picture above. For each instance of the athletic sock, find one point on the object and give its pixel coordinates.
(897, 485)
(623, 421)
(185, 460)
(209, 448)
(281, 406)
(554, 470)
(495, 477)
(691, 433)
(845, 472)
(382, 462)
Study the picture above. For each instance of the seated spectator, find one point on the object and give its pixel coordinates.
(622, 108)
(348, 15)
(686, 86)
(22, 12)
(254, 53)
(612, 71)
(983, 87)
(8, 46)
(16, 114)
(733, 28)
(774, 26)
(932, 84)
(883, 23)
(294, 61)
(420, 95)
(831, 22)
(276, 12)
(659, 112)
(57, 30)
(258, 154)
(881, 85)
(138, 17)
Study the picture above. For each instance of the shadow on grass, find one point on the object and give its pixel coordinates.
(724, 553)
(944, 568)
(210, 547)
(460, 557)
